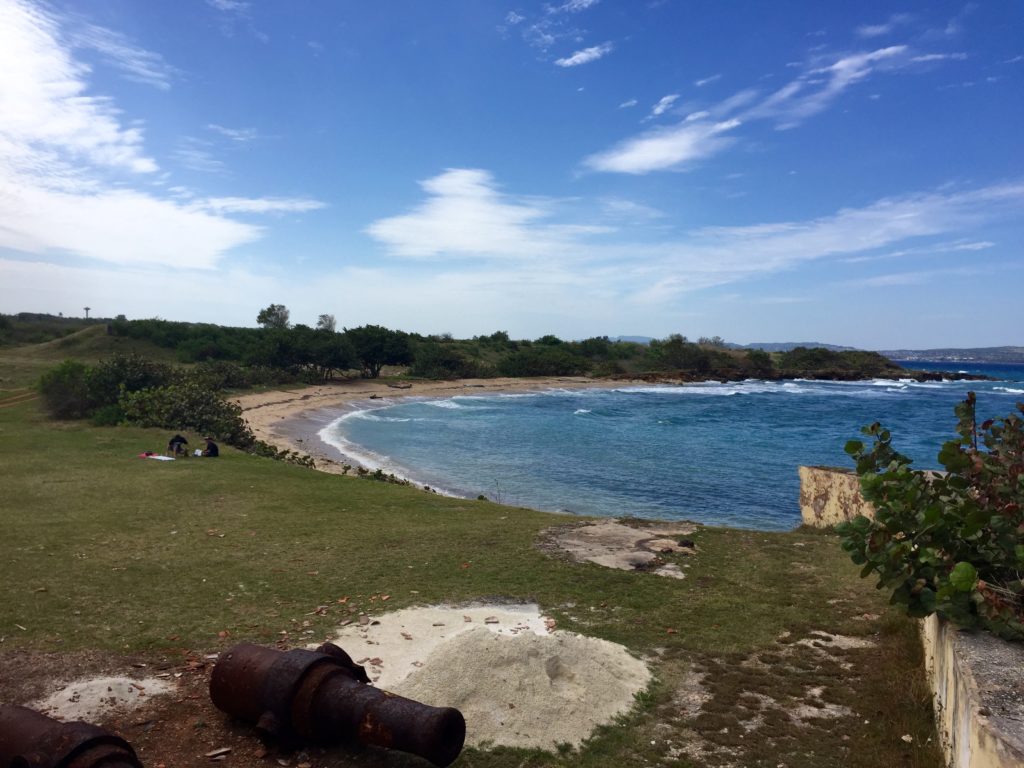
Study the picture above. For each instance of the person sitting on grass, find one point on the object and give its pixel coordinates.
(176, 446)
(211, 449)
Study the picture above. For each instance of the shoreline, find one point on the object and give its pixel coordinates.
(292, 419)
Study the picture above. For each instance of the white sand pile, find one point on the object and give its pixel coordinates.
(91, 700)
(517, 682)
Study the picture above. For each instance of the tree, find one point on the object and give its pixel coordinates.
(712, 341)
(376, 346)
(274, 316)
(326, 323)
(759, 360)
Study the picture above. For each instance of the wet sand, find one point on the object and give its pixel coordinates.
(290, 419)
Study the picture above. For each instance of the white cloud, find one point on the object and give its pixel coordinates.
(628, 103)
(259, 205)
(586, 55)
(124, 227)
(664, 103)
(706, 80)
(138, 64)
(466, 215)
(514, 18)
(665, 148)
(47, 118)
(68, 163)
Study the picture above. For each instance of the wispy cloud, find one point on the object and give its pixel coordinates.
(878, 30)
(229, 6)
(551, 25)
(572, 6)
(465, 215)
(241, 135)
(619, 208)
(628, 103)
(929, 57)
(664, 148)
(921, 277)
(707, 80)
(700, 134)
(815, 90)
(194, 154)
(260, 205)
(586, 55)
(137, 64)
(664, 103)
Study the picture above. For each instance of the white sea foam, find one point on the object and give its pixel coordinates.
(1008, 390)
(580, 411)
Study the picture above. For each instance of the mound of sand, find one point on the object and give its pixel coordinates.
(516, 681)
(92, 699)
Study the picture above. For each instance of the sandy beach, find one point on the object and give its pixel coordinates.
(291, 419)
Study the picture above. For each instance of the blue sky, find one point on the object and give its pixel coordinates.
(764, 171)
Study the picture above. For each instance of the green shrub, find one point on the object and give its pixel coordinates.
(543, 360)
(440, 361)
(188, 406)
(65, 391)
(131, 372)
(947, 543)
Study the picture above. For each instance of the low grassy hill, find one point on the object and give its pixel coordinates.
(21, 366)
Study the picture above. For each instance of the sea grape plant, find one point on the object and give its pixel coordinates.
(948, 542)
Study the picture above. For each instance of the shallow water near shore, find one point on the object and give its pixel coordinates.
(715, 453)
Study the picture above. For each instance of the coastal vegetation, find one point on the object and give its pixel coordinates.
(278, 352)
(947, 542)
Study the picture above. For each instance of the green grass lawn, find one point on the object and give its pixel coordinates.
(102, 551)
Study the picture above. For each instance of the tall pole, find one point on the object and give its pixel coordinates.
(87, 312)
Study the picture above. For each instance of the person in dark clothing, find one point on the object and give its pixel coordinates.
(211, 449)
(176, 446)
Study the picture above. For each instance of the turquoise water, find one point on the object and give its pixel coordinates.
(715, 453)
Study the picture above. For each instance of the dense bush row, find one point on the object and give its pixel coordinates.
(279, 352)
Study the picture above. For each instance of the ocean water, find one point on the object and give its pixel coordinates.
(715, 453)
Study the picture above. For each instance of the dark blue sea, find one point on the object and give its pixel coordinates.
(715, 453)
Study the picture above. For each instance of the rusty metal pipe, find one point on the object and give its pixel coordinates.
(29, 739)
(321, 696)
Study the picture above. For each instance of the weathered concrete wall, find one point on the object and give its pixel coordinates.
(978, 686)
(829, 495)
